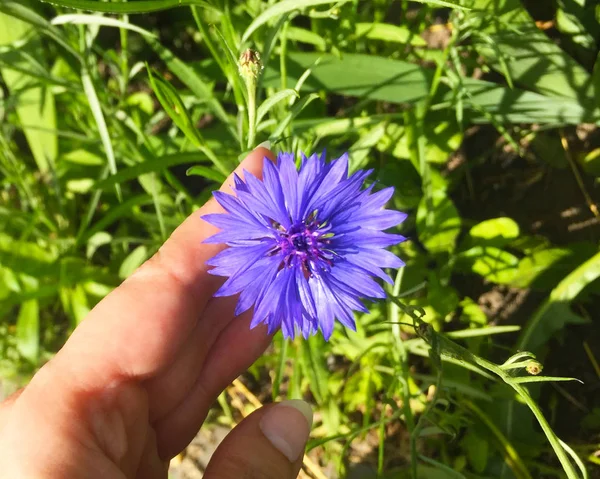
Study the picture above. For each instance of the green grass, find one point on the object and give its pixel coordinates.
(115, 126)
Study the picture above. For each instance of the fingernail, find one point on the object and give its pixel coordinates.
(287, 426)
(264, 144)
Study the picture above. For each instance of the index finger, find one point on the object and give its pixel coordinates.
(137, 329)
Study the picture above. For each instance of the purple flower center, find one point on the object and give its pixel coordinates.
(305, 244)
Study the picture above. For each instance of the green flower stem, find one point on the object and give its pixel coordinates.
(401, 358)
(442, 346)
(251, 88)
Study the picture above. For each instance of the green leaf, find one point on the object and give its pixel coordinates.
(281, 8)
(494, 232)
(80, 185)
(82, 157)
(492, 263)
(438, 223)
(406, 181)
(315, 368)
(96, 107)
(444, 3)
(477, 449)
(542, 379)
(591, 160)
(555, 313)
(193, 81)
(26, 256)
(205, 172)
(543, 269)
(9, 283)
(133, 6)
(596, 80)
(385, 79)
(532, 58)
(122, 210)
(548, 147)
(173, 105)
(41, 25)
(28, 331)
(35, 104)
(150, 166)
(472, 314)
(82, 19)
(442, 139)
(294, 112)
(389, 33)
(271, 101)
(442, 298)
(359, 152)
(578, 25)
(79, 304)
(133, 261)
(95, 241)
(485, 331)
(303, 35)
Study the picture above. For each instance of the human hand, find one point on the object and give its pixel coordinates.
(133, 384)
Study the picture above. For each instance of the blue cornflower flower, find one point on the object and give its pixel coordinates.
(304, 245)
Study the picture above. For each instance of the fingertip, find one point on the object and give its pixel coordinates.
(287, 426)
(269, 443)
(302, 406)
(252, 163)
(255, 158)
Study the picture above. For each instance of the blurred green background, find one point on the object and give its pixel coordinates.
(483, 114)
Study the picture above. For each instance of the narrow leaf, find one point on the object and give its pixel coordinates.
(205, 172)
(81, 19)
(134, 6)
(90, 93)
(281, 8)
(28, 330)
(270, 102)
(151, 166)
(542, 379)
(173, 105)
(193, 81)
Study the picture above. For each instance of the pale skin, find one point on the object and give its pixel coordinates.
(133, 384)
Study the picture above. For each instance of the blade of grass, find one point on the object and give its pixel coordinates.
(82, 19)
(295, 111)
(542, 379)
(193, 81)
(488, 330)
(114, 214)
(28, 330)
(90, 93)
(173, 104)
(281, 8)
(135, 6)
(205, 172)
(280, 369)
(154, 165)
(266, 106)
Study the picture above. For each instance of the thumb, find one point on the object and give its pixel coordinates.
(268, 444)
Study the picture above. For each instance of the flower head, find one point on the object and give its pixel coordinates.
(304, 245)
(250, 64)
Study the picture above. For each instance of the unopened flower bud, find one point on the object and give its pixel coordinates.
(534, 367)
(249, 64)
